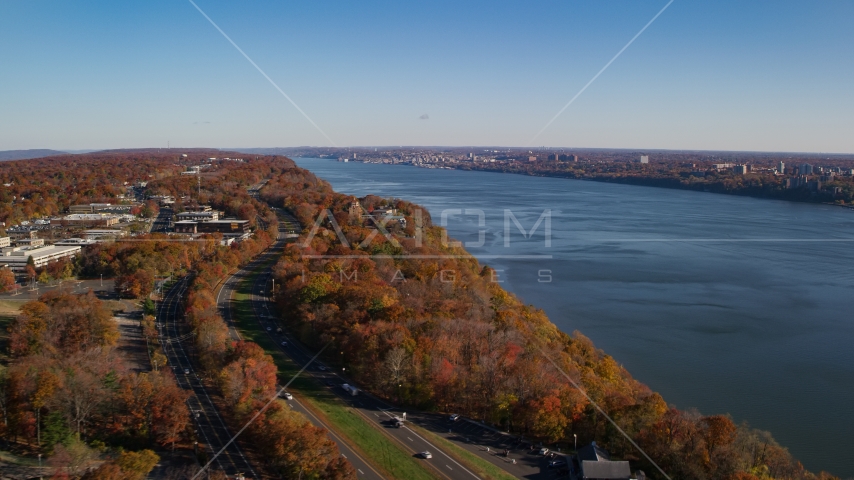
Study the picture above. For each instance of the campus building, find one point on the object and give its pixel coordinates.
(87, 220)
(16, 257)
(234, 227)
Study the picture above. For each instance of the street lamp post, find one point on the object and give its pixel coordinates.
(102, 279)
(575, 439)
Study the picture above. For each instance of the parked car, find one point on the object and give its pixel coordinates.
(557, 463)
(425, 455)
(186, 371)
(454, 417)
(543, 451)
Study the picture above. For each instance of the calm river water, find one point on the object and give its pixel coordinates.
(723, 303)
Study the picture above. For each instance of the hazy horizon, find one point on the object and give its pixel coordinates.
(473, 147)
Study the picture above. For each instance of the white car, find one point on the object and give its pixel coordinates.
(287, 396)
(544, 451)
(322, 368)
(454, 417)
(284, 343)
(186, 371)
(269, 329)
(425, 455)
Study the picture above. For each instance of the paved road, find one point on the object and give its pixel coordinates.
(104, 290)
(163, 222)
(478, 440)
(211, 429)
(371, 409)
(224, 301)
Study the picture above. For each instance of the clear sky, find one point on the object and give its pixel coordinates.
(719, 75)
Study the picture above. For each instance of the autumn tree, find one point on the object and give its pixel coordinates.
(7, 279)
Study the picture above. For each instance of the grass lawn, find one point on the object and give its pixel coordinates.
(368, 440)
(11, 307)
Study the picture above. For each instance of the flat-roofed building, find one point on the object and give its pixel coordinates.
(87, 219)
(89, 207)
(186, 226)
(163, 199)
(5, 242)
(199, 216)
(224, 226)
(75, 241)
(98, 234)
(29, 242)
(16, 257)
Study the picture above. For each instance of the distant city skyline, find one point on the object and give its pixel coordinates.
(719, 76)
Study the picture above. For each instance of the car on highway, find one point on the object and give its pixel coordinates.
(284, 344)
(269, 329)
(425, 455)
(287, 396)
(186, 371)
(321, 368)
(454, 417)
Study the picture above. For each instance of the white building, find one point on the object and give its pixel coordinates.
(98, 234)
(16, 257)
(199, 216)
(75, 241)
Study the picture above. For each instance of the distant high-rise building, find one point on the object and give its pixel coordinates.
(805, 169)
(573, 158)
(644, 159)
(781, 168)
(740, 169)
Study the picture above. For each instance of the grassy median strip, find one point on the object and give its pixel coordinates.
(367, 439)
(481, 467)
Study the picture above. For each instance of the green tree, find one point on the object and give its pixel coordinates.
(56, 430)
(148, 307)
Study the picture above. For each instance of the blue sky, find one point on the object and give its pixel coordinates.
(724, 75)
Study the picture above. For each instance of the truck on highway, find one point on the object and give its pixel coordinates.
(350, 389)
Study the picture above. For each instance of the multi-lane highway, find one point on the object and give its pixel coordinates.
(370, 408)
(212, 432)
(224, 299)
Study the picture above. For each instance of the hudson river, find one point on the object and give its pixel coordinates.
(724, 303)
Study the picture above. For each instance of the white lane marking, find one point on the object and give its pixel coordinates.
(411, 440)
(360, 471)
(449, 467)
